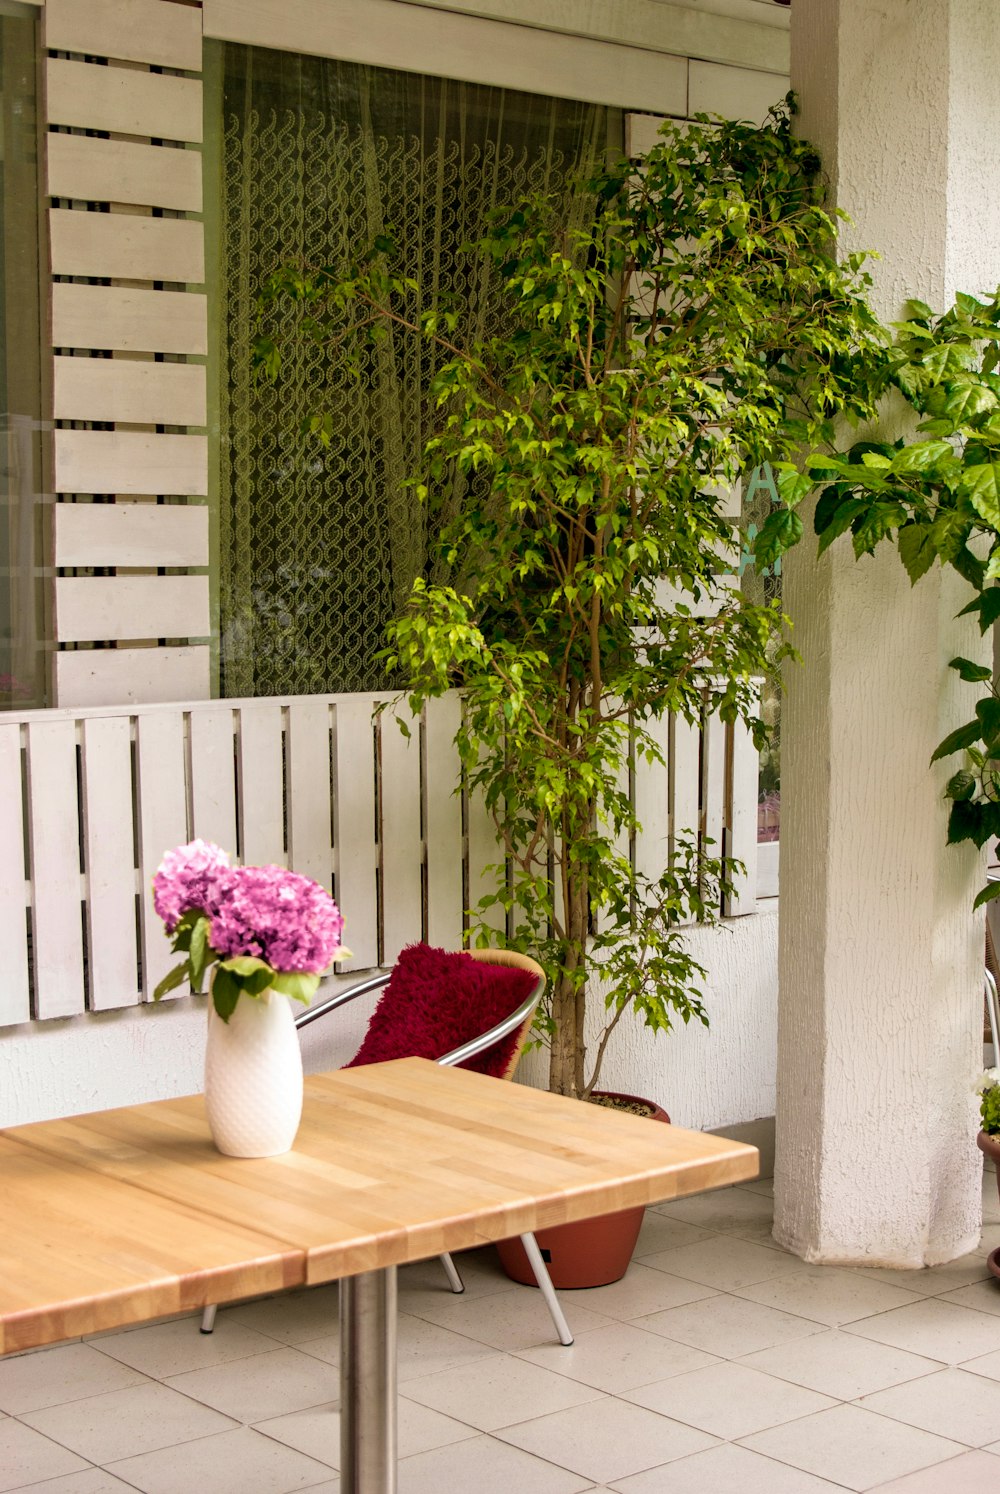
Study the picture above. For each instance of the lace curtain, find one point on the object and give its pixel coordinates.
(319, 547)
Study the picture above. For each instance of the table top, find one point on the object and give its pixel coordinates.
(123, 1215)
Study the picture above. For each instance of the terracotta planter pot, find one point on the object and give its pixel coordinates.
(990, 1147)
(590, 1252)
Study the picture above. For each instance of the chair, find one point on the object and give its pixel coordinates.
(506, 1037)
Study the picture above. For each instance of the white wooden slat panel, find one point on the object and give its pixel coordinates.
(651, 800)
(741, 841)
(733, 92)
(714, 782)
(123, 100)
(131, 462)
(130, 534)
(622, 841)
(132, 390)
(129, 321)
(443, 823)
(132, 676)
(136, 30)
(484, 851)
(124, 246)
(213, 775)
(262, 785)
(162, 806)
(310, 824)
(402, 881)
(642, 132)
(387, 34)
(85, 168)
(355, 849)
(14, 993)
(109, 858)
(53, 819)
(111, 607)
(685, 750)
(768, 862)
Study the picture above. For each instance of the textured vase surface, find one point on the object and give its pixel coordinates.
(253, 1077)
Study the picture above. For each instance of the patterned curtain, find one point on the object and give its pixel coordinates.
(319, 547)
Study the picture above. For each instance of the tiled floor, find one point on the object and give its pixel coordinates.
(719, 1363)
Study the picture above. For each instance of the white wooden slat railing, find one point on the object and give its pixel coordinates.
(90, 799)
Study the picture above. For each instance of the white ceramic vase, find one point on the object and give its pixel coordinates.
(253, 1077)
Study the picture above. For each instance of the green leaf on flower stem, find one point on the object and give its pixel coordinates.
(963, 736)
(988, 607)
(961, 785)
(841, 520)
(200, 952)
(964, 822)
(974, 673)
(779, 532)
(244, 964)
(987, 894)
(981, 485)
(176, 977)
(917, 550)
(988, 711)
(296, 984)
(225, 992)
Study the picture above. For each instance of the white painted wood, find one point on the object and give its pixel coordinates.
(262, 784)
(310, 817)
(642, 132)
(107, 812)
(355, 849)
(98, 608)
(402, 852)
(126, 246)
(123, 100)
(741, 840)
(136, 30)
(212, 735)
(131, 534)
(56, 890)
(713, 783)
(443, 822)
(130, 390)
(132, 676)
(387, 34)
(131, 462)
(685, 752)
(484, 855)
(163, 824)
(651, 800)
(15, 1003)
(126, 320)
(768, 861)
(733, 92)
(87, 169)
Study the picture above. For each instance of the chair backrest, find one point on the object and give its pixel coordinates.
(471, 1009)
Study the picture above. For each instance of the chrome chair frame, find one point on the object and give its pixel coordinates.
(470, 1049)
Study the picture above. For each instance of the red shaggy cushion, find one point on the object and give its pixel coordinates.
(436, 1000)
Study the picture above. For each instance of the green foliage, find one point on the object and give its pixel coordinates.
(990, 1103)
(242, 975)
(698, 327)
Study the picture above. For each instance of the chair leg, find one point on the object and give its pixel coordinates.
(208, 1318)
(546, 1288)
(451, 1271)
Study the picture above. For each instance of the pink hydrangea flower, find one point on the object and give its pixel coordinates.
(277, 916)
(192, 876)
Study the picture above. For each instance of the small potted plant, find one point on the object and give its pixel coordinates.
(263, 934)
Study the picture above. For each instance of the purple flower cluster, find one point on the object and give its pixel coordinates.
(193, 876)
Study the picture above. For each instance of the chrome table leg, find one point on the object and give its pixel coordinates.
(368, 1383)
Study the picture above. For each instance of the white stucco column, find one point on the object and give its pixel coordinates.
(880, 960)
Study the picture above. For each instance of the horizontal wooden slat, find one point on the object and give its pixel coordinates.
(123, 100)
(121, 246)
(733, 92)
(110, 607)
(129, 390)
(136, 30)
(132, 676)
(131, 321)
(130, 462)
(130, 534)
(93, 170)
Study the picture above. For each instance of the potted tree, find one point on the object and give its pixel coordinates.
(696, 325)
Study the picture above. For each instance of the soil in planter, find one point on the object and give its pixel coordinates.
(624, 1102)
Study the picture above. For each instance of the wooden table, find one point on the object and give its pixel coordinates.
(120, 1216)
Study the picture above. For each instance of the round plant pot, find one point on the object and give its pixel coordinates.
(589, 1252)
(253, 1077)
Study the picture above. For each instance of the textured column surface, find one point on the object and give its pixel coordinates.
(880, 957)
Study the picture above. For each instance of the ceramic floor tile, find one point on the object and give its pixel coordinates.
(480, 1270)
(69, 1372)
(726, 1468)
(422, 1348)
(985, 1364)
(619, 1358)
(827, 1295)
(607, 1440)
(728, 1326)
(932, 1281)
(26, 1457)
(725, 1209)
(290, 1317)
(88, 1481)
(123, 1423)
(173, 1348)
(660, 1232)
(316, 1432)
(261, 1386)
(841, 1365)
(759, 1185)
(984, 1296)
(240, 1462)
(853, 1447)
(972, 1473)
(725, 1262)
(940, 1330)
(486, 1466)
(729, 1400)
(952, 1403)
(498, 1392)
(641, 1291)
(506, 1320)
